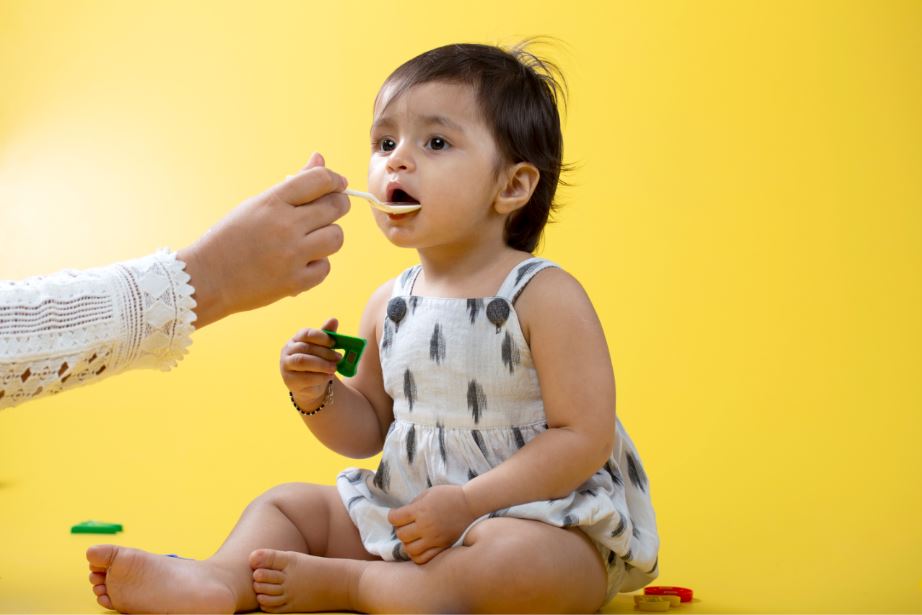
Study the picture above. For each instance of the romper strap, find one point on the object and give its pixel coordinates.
(403, 284)
(519, 277)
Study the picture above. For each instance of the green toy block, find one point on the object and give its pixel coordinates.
(96, 527)
(353, 347)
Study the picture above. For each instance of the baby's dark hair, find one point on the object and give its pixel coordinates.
(518, 94)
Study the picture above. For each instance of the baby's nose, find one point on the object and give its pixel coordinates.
(400, 159)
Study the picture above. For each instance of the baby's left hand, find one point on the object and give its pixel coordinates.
(432, 522)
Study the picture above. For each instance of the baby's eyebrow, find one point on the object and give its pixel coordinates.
(441, 120)
(386, 122)
(382, 122)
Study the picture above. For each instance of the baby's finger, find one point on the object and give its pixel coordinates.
(426, 556)
(302, 335)
(415, 548)
(314, 336)
(408, 533)
(398, 517)
(308, 363)
(320, 351)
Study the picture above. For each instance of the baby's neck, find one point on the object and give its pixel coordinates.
(476, 273)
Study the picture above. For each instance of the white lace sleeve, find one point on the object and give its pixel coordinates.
(74, 327)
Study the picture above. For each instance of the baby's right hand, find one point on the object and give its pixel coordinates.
(308, 363)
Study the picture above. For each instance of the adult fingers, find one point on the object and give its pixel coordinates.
(323, 211)
(316, 160)
(320, 243)
(310, 276)
(309, 185)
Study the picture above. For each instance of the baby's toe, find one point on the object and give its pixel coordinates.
(267, 575)
(268, 589)
(269, 559)
(270, 602)
(100, 557)
(105, 602)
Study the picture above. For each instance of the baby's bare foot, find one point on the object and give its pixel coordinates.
(132, 581)
(290, 582)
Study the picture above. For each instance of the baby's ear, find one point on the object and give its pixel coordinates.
(521, 181)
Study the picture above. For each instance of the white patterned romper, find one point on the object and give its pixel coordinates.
(466, 398)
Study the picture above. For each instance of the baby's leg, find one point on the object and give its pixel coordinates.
(298, 517)
(506, 566)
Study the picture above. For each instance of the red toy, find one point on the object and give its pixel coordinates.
(684, 594)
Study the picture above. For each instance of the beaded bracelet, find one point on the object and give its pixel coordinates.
(327, 400)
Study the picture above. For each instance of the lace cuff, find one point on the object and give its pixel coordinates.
(73, 327)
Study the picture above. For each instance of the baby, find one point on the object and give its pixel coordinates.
(506, 482)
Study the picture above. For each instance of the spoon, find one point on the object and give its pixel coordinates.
(391, 208)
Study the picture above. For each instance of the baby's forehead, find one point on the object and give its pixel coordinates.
(428, 97)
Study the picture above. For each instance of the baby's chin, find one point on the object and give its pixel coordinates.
(397, 236)
(409, 245)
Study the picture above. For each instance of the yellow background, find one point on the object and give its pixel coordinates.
(745, 215)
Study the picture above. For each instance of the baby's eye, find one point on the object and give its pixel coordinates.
(437, 143)
(387, 144)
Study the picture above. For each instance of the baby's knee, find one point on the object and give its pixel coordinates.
(290, 496)
(277, 494)
(529, 566)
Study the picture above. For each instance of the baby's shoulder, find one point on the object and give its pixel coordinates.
(550, 284)
(553, 296)
(383, 293)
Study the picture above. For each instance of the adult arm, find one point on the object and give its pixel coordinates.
(74, 327)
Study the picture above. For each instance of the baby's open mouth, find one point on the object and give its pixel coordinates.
(401, 197)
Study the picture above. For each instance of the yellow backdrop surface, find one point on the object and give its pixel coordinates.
(745, 213)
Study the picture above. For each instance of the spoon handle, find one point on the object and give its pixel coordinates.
(362, 195)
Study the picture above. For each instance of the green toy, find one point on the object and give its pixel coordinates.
(96, 527)
(353, 347)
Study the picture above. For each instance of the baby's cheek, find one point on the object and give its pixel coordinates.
(376, 173)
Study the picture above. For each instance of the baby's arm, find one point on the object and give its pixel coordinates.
(355, 422)
(578, 387)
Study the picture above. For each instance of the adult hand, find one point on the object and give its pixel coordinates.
(272, 245)
(432, 522)
(308, 362)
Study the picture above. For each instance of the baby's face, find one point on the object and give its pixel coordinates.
(431, 146)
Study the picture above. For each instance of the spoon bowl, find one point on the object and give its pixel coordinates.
(391, 208)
